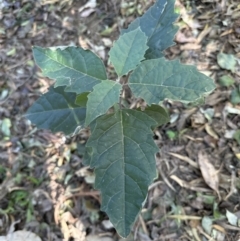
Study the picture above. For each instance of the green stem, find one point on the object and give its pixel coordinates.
(120, 97)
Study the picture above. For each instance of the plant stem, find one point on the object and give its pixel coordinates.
(120, 97)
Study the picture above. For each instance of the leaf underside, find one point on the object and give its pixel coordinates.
(123, 155)
(104, 96)
(157, 79)
(56, 110)
(77, 69)
(157, 24)
(128, 51)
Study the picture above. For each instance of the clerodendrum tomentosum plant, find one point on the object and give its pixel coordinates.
(121, 148)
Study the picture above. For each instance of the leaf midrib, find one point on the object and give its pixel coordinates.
(103, 98)
(165, 86)
(57, 110)
(157, 21)
(123, 151)
(129, 51)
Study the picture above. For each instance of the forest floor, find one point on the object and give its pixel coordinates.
(44, 187)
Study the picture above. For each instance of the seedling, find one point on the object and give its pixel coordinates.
(121, 148)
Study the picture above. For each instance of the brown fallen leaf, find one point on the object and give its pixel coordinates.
(185, 158)
(182, 38)
(90, 4)
(209, 173)
(188, 185)
(78, 231)
(211, 132)
(204, 33)
(190, 46)
(20, 235)
(65, 230)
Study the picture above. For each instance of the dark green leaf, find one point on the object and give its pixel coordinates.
(88, 150)
(157, 24)
(81, 149)
(82, 99)
(123, 155)
(104, 96)
(74, 67)
(157, 113)
(157, 79)
(56, 110)
(128, 51)
(87, 156)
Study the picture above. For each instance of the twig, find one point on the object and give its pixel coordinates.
(143, 225)
(233, 188)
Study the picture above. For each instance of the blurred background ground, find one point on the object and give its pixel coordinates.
(44, 187)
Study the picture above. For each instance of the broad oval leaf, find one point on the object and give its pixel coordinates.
(74, 67)
(157, 24)
(128, 51)
(123, 155)
(157, 79)
(104, 96)
(56, 110)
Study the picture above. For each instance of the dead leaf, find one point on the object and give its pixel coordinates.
(65, 230)
(78, 231)
(185, 158)
(87, 12)
(188, 185)
(185, 115)
(210, 131)
(182, 38)
(204, 33)
(190, 46)
(98, 238)
(232, 218)
(20, 236)
(209, 173)
(219, 228)
(185, 217)
(107, 224)
(89, 4)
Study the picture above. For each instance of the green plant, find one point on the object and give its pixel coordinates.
(121, 148)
